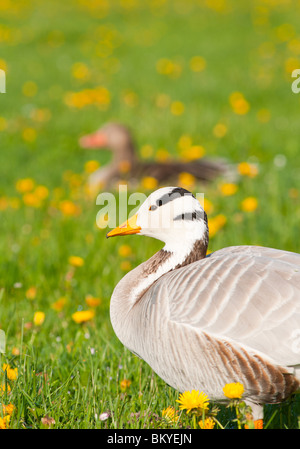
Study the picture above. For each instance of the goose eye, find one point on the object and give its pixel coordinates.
(152, 207)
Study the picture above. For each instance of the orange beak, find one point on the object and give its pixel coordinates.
(127, 228)
(93, 141)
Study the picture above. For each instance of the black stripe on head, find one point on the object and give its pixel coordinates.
(196, 215)
(177, 192)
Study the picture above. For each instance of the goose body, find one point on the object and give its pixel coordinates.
(127, 166)
(204, 321)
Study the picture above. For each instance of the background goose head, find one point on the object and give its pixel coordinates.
(111, 136)
(172, 215)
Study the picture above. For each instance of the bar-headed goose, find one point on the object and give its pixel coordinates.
(126, 165)
(204, 321)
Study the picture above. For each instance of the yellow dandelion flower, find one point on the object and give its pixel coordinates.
(185, 142)
(4, 422)
(208, 423)
(91, 301)
(39, 318)
(3, 388)
(247, 169)
(59, 304)
(238, 103)
(177, 108)
(8, 409)
(76, 261)
(170, 415)
(82, 316)
(125, 384)
(125, 250)
(12, 373)
(249, 204)
(190, 400)
(25, 185)
(233, 390)
(149, 183)
(228, 188)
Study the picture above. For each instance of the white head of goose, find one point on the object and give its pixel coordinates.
(204, 321)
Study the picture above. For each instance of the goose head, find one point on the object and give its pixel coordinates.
(172, 215)
(112, 136)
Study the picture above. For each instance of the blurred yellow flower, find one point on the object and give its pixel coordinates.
(82, 316)
(197, 63)
(99, 96)
(263, 115)
(125, 384)
(193, 399)
(177, 108)
(130, 98)
(68, 208)
(125, 265)
(31, 200)
(216, 223)
(228, 188)
(163, 101)
(170, 68)
(186, 180)
(29, 89)
(208, 423)
(249, 204)
(3, 388)
(162, 155)
(3, 65)
(91, 166)
(233, 390)
(146, 151)
(59, 304)
(3, 123)
(149, 183)
(193, 152)
(91, 301)
(39, 318)
(80, 71)
(185, 142)
(25, 185)
(247, 169)
(12, 373)
(238, 103)
(31, 292)
(220, 130)
(125, 250)
(124, 166)
(29, 135)
(76, 261)
(41, 192)
(291, 64)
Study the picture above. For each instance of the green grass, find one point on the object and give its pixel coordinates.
(72, 372)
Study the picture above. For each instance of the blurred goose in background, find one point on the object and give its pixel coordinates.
(126, 165)
(202, 321)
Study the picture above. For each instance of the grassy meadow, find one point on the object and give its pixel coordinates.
(208, 76)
